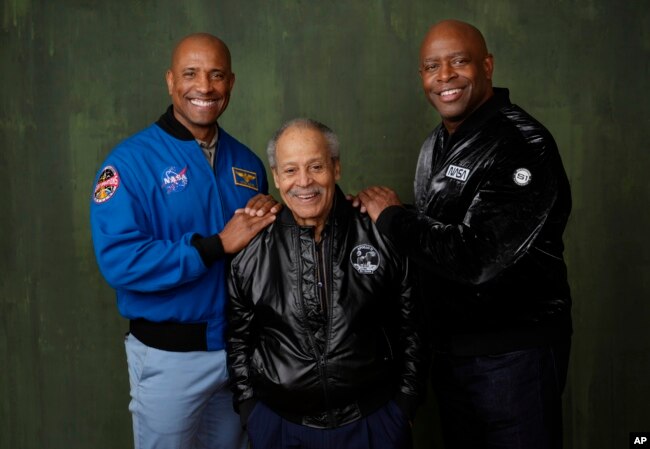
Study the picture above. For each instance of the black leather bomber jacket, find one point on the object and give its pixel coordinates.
(491, 204)
(323, 347)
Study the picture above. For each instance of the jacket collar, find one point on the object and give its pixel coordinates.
(486, 111)
(168, 123)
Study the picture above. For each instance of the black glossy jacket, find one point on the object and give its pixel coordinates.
(323, 369)
(492, 202)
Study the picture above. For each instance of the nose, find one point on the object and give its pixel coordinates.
(446, 72)
(203, 83)
(304, 179)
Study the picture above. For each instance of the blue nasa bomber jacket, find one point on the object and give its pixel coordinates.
(155, 212)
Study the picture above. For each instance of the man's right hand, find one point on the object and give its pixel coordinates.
(262, 204)
(376, 199)
(241, 229)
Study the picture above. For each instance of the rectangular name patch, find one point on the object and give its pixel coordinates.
(245, 178)
(458, 173)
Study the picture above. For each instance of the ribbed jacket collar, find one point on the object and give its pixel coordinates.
(168, 123)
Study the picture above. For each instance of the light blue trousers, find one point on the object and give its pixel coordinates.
(181, 400)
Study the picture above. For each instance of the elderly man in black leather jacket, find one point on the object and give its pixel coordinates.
(324, 350)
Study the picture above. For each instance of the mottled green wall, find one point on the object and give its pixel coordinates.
(79, 75)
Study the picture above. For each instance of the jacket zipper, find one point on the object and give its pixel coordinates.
(320, 358)
(327, 269)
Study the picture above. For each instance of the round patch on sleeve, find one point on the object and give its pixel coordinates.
(522, 176)
(365, 259)
(107, 185)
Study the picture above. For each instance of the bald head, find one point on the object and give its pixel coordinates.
(460, 30)
(456, 70)
(192, 40)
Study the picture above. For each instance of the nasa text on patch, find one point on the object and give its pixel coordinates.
(245, 178)
(107, 184)
(458, 173)
(174, 180)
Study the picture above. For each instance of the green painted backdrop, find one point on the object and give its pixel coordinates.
(79, 75)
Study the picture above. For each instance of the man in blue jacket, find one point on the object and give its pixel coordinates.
(170, 204)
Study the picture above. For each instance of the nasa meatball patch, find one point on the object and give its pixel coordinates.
(365, 259)
(174, 180)
(107, 184)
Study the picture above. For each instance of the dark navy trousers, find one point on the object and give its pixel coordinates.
(505, 401)
(386, 428)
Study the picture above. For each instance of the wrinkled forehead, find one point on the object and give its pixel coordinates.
(301, 144)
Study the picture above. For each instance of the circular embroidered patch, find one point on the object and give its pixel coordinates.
(522, 177)
(365, 259)
(174, 180)
(107, 185)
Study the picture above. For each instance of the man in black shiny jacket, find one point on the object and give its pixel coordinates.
(323, 347)
(492, 202)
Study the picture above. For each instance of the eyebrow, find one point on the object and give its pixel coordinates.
(213, 69)
(310, 161)
(450, 55)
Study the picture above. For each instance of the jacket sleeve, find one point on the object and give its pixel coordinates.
(240, 325)
(127, 253)
(412, 385)
(499, 226)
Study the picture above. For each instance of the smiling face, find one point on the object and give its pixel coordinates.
(456, 71)
(199, 82)
(306, 175)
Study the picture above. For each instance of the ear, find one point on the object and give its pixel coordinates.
(275, 178)
(169, 77)
(488, 65)
(232, 81)
(337, 169)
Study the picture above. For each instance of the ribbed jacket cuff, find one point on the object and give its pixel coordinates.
(210, 248)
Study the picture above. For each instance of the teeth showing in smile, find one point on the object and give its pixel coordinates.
(449, 92)
(202, 103)
(306, 196)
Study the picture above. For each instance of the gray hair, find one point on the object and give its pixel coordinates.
(330, 137)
